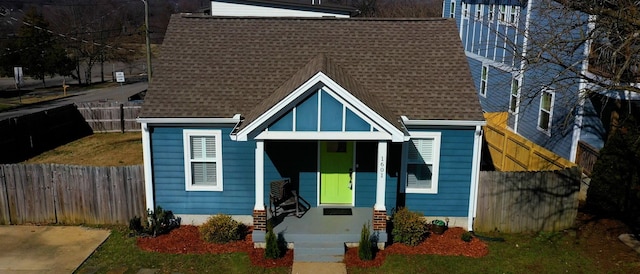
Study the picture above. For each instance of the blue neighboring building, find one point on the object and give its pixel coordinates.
(547, 101)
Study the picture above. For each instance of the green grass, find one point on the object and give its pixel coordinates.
(517, 254)
(100, 149)
(119, 254)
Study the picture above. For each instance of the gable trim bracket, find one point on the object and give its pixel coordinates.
(392, 133)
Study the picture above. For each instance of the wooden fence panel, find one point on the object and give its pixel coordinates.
(516, 202)
(109, 116)
(71, 194)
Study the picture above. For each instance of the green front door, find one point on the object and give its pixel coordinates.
(336, 166)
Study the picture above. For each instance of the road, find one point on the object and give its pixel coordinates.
(110, 94)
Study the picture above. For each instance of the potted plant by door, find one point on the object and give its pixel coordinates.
(438, 226)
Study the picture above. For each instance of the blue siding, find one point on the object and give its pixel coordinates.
(365, 189)
(307, 114)
(331, 113)
(355, 123)
(168, 173)
(285, 123)
(454, 178)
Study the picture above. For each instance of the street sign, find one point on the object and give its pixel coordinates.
(120, 76)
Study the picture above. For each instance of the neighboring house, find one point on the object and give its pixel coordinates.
(282, 8)
(358, 113)
(546, 103)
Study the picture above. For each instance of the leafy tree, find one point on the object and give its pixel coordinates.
(36, 49)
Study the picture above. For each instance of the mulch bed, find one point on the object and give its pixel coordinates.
(186, 240)
(448, 244)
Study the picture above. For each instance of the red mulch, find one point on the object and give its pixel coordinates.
(186, 240)
(448, 243)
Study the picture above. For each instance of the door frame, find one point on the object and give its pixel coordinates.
(353, 175)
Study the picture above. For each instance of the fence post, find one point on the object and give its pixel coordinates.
(122, 117)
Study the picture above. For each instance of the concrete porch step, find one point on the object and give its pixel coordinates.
(318, 251)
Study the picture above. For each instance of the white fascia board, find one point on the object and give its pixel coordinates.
(323, 135)
(456, 123)
(492, 63)
(234, 120)
(396, 134)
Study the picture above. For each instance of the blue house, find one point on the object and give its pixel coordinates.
(365, 114)
(530, 59)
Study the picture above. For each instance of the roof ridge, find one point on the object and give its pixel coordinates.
(265, 18)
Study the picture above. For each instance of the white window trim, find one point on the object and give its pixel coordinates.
(187, 133)
(479, 12)
(452, 11)
(515, 12)
(491, 12)
(465, 10)
(553, 97)
(515, 96)
(436, 136)
(485, 80)
(503, 12)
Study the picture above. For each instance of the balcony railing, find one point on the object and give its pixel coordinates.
(607, 62)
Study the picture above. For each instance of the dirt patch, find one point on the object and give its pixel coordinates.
(598, 238)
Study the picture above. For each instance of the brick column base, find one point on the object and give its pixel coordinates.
(260, 220)
(379, 220)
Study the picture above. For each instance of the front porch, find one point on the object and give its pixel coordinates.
(318, 237)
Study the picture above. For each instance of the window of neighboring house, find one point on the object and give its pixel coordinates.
(491, 9)
(423, 159)
(452, 11)
(203, 160)
(514, 12)
(515, 93)
(502, 13)
(465, 10)
(479, 10)
(484, 76)
(546, 111)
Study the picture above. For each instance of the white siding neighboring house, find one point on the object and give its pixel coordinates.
(260, 8)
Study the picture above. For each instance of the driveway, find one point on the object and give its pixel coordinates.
(47, 249)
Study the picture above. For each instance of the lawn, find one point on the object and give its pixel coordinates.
(99, 149)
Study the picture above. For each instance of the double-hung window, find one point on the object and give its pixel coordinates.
(479, 11)
(514, 12)
(491, 10)
(502, 13)
(423, 158)
(452, 9)
(545, 113)
(465, 10)
(515, 94)
(203, 160)
(484, 78)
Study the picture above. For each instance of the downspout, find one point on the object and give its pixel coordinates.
(475, 176)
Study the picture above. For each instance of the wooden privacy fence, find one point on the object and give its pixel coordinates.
(516, 202)
(512, 152)
(111, 117)
(64, 194)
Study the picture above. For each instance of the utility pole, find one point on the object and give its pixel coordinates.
(146, 32)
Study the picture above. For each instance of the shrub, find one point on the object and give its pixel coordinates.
(365, 249)
(135, 225)
(161, 221)
(408, 227)
(466, 237)
(221, 229)
(272, 250)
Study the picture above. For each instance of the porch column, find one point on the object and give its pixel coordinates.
(381, 175)
(379, 209)
(259, 212)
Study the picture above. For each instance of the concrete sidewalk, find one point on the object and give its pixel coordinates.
(47, 249)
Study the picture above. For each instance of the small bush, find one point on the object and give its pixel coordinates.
(221, 229)
(161, 221)
(365, 249)
(135, 225)
(408, 227)
(466, 237)
(272, 250)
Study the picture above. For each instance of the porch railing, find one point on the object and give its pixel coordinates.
(607, 61)
(586, 157)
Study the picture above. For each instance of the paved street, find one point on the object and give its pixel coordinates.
(111, 94)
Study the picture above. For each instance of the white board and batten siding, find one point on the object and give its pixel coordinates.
(237, 9)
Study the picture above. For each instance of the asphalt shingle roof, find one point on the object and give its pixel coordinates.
(216, 67)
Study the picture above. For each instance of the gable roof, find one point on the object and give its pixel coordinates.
(217, 67)
(299, 5)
